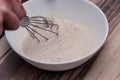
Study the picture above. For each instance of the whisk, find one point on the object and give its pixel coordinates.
(30, 22)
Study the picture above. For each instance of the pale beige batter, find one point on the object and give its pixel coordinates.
(74, 41)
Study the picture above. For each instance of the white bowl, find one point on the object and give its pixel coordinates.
(80, 11)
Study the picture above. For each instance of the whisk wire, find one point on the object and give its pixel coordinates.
(42, 19)
(30, 22)
(34, 31)
(44, 29)
(32, 34)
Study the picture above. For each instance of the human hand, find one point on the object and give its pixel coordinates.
(11, 12)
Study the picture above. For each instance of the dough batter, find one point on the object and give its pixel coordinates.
(74, 41)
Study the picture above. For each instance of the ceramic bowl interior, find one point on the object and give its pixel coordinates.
(79, 11)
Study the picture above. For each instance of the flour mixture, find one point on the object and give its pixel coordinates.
(74, 41)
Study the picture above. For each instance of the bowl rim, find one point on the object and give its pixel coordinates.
(77, 59)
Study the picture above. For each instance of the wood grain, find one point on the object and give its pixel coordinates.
(4, 47)
(107, 65)
(104, 66)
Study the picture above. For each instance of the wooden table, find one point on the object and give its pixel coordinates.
(105, 66)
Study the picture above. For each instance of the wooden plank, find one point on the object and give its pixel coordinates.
(107, 65)
(10, 65)
(4, 47)
(14, 68)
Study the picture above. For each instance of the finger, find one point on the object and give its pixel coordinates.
(20, 4)
(18, 9)
(11, 21)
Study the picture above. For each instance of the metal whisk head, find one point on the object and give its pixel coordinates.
(30, 22)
